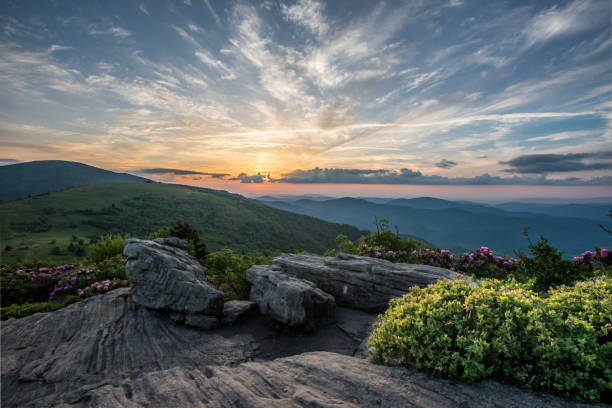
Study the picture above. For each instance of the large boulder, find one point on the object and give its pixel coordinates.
(164, 276)
(360, 282)
(294, 302)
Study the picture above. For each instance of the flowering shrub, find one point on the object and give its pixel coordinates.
(40, 284)
(559, 341)
(543, 266)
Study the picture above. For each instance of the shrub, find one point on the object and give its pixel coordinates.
(185, 231)
(107, 246)
(506, 331)
(543, 266)
(17, 311)
(227, 271)
(35, 284)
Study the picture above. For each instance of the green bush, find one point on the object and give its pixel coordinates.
(227, 271)
(559, 342)
(107, 246)
(17, 311)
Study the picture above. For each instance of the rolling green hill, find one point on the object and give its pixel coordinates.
(47, 176)
(43, 227)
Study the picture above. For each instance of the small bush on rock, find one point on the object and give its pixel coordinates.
(227, 271)
(560, 341)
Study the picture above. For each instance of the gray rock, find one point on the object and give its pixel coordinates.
(294, 302)
(202, 321)
(173, 241)
(102, 340)
(358, 281)
(318, 379)
(164, 276)
(235, 309)
(177, 317)
(108, 351)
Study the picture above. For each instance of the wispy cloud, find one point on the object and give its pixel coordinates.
(115, 31)
(216, 64)
(301, 84)
(212, 11)
(308, 13)
(144, 9)
(556, 21)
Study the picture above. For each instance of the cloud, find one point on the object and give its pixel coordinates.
(556, 22)
(212, 11)
(5, 162)
(446, 164)
(115, 31)
(408, 176)
(558, 163)
(309, 14)
(180, 172)
(209, 60)
(254, 178)
(569, 135)
(56, 47)
(143, 9)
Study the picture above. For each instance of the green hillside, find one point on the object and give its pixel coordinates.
(47, 176)
(43, 227)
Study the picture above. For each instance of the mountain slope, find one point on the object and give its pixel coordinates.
(33, 226)
(592, 211)
(461, 225)
(39, 177)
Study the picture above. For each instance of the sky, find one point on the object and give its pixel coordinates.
(347, 97)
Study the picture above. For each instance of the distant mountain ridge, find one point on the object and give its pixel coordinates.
(461, 224)
(39, 177)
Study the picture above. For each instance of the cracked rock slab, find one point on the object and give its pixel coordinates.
(360, 282)
(318, 379)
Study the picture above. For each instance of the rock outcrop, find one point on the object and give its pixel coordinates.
(235, 309)
(164, 276)
(101, 340)
(291, 301)
(316, 379)
(358, 281)
(108, 351)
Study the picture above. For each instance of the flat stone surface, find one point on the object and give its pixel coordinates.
(317, 379)
(360, 282)
(163, 276)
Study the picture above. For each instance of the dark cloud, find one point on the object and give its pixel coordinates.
(5, 162)
(446, 164)
(180, 172)
(407, 176)
(558, 163)
(254, 178)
